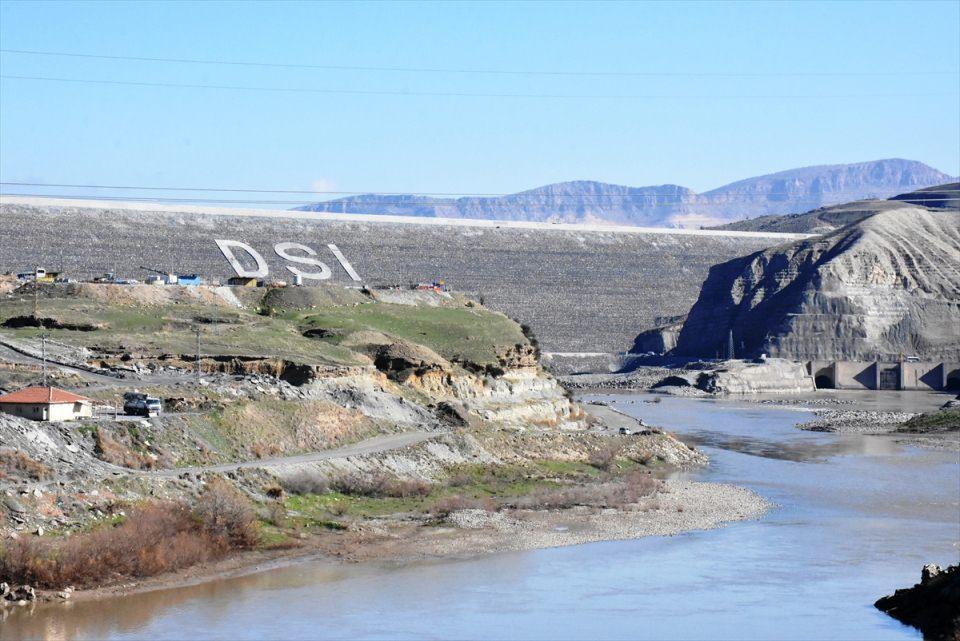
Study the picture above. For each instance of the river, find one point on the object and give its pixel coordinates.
(857, 516)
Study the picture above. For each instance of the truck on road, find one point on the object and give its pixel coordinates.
(139, 404)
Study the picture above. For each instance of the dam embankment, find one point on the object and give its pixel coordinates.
(583, 289)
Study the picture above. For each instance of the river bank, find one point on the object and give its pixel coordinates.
(843, 501)
(679, 506)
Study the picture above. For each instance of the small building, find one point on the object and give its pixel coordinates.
(46, 404)
(243, 281)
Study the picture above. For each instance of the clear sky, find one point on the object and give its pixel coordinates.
(831, 82)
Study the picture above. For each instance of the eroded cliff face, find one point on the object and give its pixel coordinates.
(884, 285)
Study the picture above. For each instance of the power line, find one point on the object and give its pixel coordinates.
(360, 204)
(455, 94)
(461, 70)
(389, 193)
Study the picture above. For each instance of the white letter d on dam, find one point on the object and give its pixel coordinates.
(225, 248)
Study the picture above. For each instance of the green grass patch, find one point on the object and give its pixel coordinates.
(936, 421)
(322, 508)
(456, 333)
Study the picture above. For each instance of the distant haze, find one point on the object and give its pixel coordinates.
(791, 191)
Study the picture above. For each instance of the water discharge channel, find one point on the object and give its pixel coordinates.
(857, 516)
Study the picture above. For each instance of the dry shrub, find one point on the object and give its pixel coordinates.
(156, 538)
(108, 449)
(226, 514)
(277, 514)
(650, 506)
(152, 539)
(444, 506)
(374, 486)
(17, 464)
(274, 492)
(604, 456)
(306, 483)
(461, 478)
(643, 457)
(266, 450)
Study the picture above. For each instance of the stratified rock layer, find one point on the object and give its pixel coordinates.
(886, 285)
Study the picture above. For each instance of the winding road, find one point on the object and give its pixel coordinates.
(374, 445)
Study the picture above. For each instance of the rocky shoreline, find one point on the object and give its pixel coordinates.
(932, 606)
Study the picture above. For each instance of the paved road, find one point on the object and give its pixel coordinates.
(373, 445)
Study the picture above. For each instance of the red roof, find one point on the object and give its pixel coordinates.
(41, 395)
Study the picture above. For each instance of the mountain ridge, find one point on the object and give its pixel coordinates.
(668, 205)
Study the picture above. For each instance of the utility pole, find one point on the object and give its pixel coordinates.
(198, 354)
(730, 350)
(36, 293)
(43, 356)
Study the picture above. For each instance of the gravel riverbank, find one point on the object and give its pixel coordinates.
(683, 506)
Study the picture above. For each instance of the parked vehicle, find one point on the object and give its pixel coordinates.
(139, 404)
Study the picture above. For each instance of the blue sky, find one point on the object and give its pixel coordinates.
(698, 131)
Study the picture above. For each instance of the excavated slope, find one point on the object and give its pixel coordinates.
(887, 284)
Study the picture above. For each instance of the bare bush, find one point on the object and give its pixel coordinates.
(373, 486)
(18, 465)
(155, 538)
(113, 451)
(444, 506)
(605, 456)
(226, 514)
(306, 483)
(460, 478)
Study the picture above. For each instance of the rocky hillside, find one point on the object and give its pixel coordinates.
(887, 284)
(795, 190)
(825, 219)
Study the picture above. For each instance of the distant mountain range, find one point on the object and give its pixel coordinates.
(791, 191)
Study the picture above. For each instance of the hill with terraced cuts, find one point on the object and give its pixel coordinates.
(884, 285)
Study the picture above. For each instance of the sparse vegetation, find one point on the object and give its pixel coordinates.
(945, 420)
(543, 485)
(375, 486)
(18, 465)
(605, 456)
(612, 494)
(153, 538)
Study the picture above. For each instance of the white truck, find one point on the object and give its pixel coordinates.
(139, 404)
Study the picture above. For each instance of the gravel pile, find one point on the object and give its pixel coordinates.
(857, 421)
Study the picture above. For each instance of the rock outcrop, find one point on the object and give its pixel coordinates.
(886, 285)
(768, 376)
(932, 606)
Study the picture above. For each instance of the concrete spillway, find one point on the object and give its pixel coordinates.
(582, 288)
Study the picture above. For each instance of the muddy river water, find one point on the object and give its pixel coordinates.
(857, 516)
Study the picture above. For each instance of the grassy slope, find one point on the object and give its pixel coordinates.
(456, 333)
(454, 330)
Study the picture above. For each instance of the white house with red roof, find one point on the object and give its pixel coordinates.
(46, 404)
